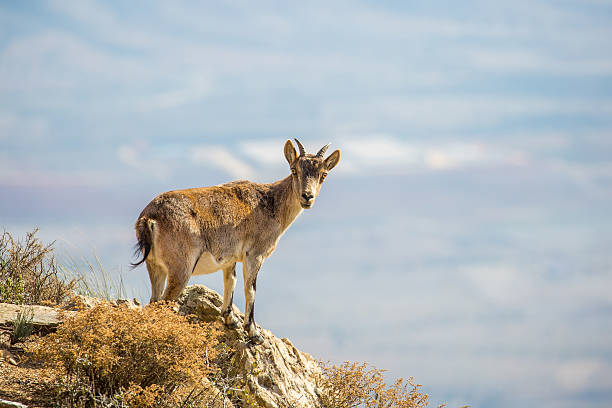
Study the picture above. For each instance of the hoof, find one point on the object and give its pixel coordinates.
(231, 325)
(230, 321)
(256, 339)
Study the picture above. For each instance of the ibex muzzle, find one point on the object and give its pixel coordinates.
(203, 230)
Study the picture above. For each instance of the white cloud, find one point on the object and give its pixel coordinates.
(389, 153)
(31, 129)
(539, 141)
(581, 171)
(502, 284)
(582, 375)
(197, 89)
(451, 112)
(221, 157)
(16, 174)
(54, 60)
(458, 155)
(526, 60)
(104, 23)
(264, 152)
(137, 155)
(381, 150)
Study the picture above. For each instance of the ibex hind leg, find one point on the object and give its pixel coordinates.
(157, 275)
(179, 272)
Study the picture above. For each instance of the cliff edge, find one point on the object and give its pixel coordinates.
(275, 374)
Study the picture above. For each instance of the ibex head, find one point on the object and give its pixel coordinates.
(308, 171)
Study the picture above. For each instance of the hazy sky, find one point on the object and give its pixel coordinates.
(464, 238)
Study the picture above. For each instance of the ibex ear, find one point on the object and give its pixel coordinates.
(290, 153)
(332, 160)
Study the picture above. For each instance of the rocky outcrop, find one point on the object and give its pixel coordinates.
(277, 374)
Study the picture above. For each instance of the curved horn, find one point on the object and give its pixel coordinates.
(323, 150)
(301, 147)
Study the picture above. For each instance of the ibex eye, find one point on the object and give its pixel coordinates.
(323, 175)
(293, 171)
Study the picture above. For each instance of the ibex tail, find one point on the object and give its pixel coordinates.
(145, 228)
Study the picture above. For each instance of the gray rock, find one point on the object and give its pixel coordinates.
(204, 303)
(81, 302)
(278, 374)
(7, 356)
(11, 404)
(42, 316)
(5, 338)
(130, 304)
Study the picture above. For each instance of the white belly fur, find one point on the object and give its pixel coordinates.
(207, 264)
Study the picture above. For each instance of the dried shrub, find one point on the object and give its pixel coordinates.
(353, 385)
(134, 357)
(29, 273)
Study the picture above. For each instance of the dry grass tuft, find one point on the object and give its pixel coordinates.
(22, 325)
(115, 356)
(92, 278)
(352, 385)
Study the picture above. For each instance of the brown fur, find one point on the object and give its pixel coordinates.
(203, 230)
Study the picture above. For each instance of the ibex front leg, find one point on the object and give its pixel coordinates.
(229, 283)
(250, 269)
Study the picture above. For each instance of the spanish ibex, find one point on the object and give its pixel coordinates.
(202, 230)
